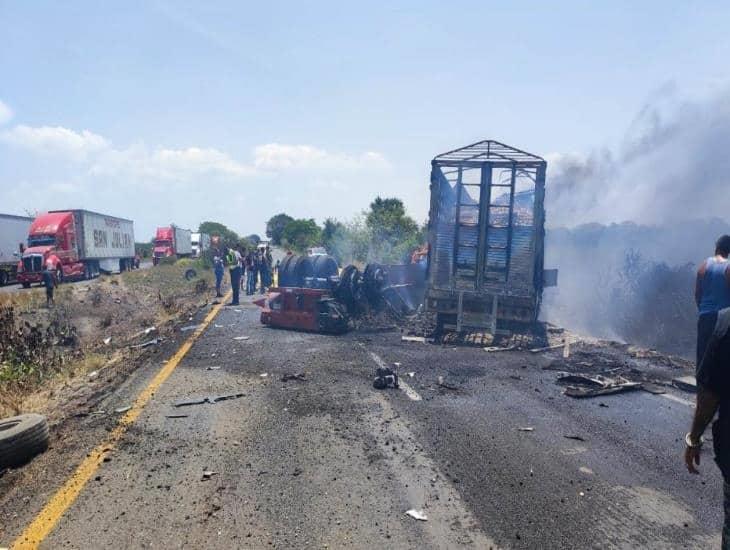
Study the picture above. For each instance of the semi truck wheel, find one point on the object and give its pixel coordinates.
(87, 272)
(26, 285)
(21, 438)
(3, 278)
(59, 275)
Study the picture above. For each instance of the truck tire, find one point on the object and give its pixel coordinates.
(21, 438)
(324, 267)
(285, 275)
(26, 285)
(87, 272)
(59, 276)
(3, 278)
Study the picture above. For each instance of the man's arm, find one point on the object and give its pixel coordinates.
(707, 404)
(698, 282)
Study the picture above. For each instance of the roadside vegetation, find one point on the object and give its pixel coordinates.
(45, 353)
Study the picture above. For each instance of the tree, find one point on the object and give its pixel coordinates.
(331, 229)
(275, 227)
(253, 238)
(301, 234)
(228, 237)
(393, 234)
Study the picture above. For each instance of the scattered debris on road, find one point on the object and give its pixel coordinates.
(213, 368)
(581, 385)
(526, 429)
(207, 474)
(121, 410)
(385, 378)
(301, 377)
(212, 399)
(153, 342)
(417, 514)
(418, 339)
(575, 437)
(107, 340)
(685, 383)
(176, 416)
(241, 337)
(93, 374)
(189, 328)
(264, 374)
(548, 348)
(444, 384)
(493, 349)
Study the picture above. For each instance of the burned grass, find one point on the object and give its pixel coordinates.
(46, 352)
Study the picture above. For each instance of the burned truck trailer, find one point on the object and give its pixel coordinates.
(486, 237)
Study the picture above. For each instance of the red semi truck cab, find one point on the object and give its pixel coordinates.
(78, 243)
(171, 241)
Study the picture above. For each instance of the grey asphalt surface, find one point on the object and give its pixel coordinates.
(331, 462)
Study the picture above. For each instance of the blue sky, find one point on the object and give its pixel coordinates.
(186, 111)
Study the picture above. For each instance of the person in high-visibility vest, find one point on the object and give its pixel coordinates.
(234, 261)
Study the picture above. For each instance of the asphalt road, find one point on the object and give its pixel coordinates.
(331, 462)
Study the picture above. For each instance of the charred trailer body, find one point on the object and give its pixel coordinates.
(486, 238)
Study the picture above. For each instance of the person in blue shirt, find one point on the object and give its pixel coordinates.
(712, 292)
(218, 269)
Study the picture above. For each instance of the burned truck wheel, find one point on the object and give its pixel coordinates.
(374, 278)
(284, 274)
(21, 438)
(324, 267)
(348, 291)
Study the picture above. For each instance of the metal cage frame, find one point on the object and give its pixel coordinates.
(514, 297)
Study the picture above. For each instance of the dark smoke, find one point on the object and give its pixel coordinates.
(636, 223)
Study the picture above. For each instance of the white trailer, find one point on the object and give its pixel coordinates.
(201, 243)
(183, 241)
(13, 237)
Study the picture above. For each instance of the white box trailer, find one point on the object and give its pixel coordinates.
(106, 239)
(183, 241)
(201, 243)
(13, 237)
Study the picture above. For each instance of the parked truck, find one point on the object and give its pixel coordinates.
(79, 244)
(172, 242)
(13, 234)
(201, 243)
(486, 238)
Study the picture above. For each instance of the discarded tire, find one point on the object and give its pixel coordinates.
(190, 274)
(21, 438)
(284, 271)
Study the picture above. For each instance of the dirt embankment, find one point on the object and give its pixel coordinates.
(50, 358)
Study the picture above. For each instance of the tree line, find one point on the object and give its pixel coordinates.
(383, 233)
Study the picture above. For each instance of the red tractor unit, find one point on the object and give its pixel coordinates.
(307, 309)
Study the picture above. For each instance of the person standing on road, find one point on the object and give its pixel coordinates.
(712, 292)
(234, 266)
(218, 270)
(713, 396)
(249, 273)
(50, 282)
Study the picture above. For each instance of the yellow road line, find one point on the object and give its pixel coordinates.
(52, 512)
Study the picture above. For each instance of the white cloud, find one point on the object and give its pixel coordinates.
(55, 140)
(165, 165)
(6, 113)
(282, 157)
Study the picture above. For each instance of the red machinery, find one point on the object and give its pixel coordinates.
(309, 309)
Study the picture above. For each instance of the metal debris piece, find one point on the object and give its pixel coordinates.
(302, 377)
(147, 344)
(189, 328)
(446, 385)
(212, 399)
(655, 389)
(526, 429)
(419, 339)
(212, 368)
(93, 374)
(547, 348)
(685, 383)
(241, 337)
(107, 340)
(122, 409)
(492, 349)
(385, 378)
(411, 374)
(264, 374)
(417, 514)
(176, 416)
(581, 385)
(575, 437)
(207, 474)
